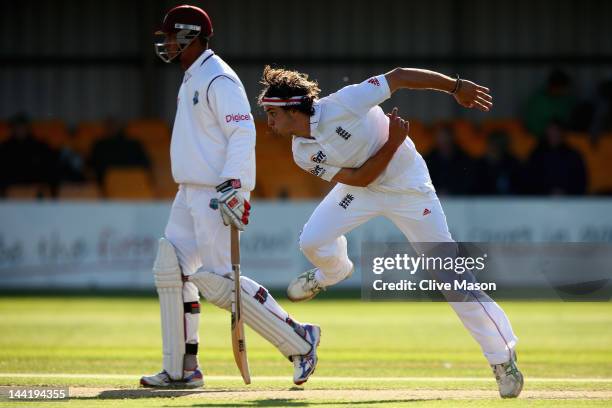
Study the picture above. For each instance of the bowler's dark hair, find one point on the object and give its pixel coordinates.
(281, 83)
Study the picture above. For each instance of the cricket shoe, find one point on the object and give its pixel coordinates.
(191, 379)
(306, 286)
(304, 366)
(509, 378)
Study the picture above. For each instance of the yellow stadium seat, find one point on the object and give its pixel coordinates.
(128, 183)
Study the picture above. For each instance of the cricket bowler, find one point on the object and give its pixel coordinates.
(343, 138)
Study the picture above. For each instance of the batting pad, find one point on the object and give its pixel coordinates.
(218, 291)
(169, 286)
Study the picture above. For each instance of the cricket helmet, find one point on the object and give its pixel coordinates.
(181, 25)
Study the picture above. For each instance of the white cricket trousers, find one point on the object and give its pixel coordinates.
(202, 241)
(421, 219)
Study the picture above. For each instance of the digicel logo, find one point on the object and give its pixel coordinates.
(237, 117)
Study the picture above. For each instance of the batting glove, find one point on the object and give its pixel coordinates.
(234, 208)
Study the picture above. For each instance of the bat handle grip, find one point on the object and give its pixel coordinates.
(214, 204)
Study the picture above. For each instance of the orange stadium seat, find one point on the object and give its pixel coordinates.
(521, 142)
(165, 187)
(421, 136)
(469, 139)
(148, 131)
(53, 132)
(277, 175)
(508, 125)
(602, 172)
(598, 160)
(580, 141)
(127, 183)
(521, 145)
(86, 134)
(154, 135)
(79, 191)
(28, 192)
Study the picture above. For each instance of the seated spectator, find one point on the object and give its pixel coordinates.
(451, 170)
(555, 168)
(25, 160)
(116, 150)
(554, 101)
(70, 166)
(498, 171)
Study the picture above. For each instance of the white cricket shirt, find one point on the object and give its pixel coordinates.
(213, 138)
(348, 128)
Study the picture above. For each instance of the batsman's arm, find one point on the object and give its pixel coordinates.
(466, 93)
(230, 105)
(375, 165)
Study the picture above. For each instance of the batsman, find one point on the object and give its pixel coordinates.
(213, 157)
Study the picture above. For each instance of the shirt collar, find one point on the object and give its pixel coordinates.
(314, 119)
(198, 62)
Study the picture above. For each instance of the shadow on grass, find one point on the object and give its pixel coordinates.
(283, 402)
(298, 401)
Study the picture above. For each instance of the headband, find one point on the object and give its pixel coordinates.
(284, 101)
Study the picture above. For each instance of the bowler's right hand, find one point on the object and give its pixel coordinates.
(398, 128)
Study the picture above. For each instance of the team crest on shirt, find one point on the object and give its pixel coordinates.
(196, 98)
(346, 201)
(317, 171)
(319, 157)
(343, 133)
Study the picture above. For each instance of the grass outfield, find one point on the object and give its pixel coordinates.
(372, 354)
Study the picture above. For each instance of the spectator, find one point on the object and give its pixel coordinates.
(70, 166)
(498, 170)
(25, 160)
(116, 150)
(555, 101)
(555, 168)
(451, 170)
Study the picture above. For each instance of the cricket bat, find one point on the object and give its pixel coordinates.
(238, 340)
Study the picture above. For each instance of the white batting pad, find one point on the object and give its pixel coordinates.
(218, 291)
(169, 286)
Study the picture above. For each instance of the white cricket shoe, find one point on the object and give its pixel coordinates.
(304, 287)
(304, 366)
(191, 379)
(161, 379)
(509, 378)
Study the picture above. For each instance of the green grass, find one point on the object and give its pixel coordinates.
(121, 336)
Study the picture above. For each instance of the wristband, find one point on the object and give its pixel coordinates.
(228, 185)
(457, 85)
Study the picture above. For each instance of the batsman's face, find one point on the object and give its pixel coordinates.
(279, 120)
(171, 45)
